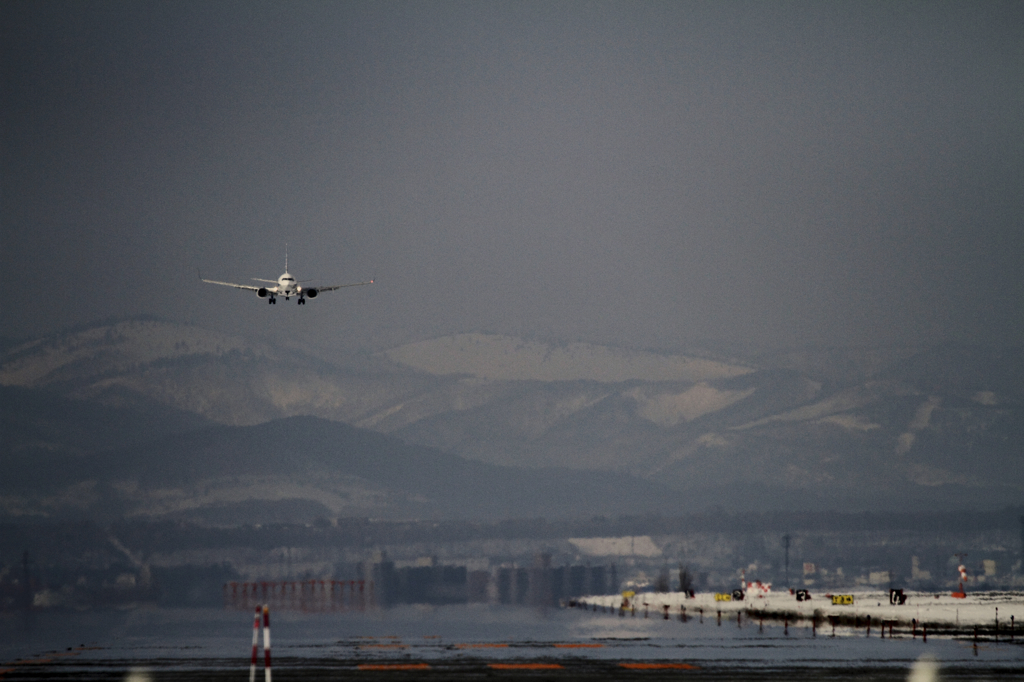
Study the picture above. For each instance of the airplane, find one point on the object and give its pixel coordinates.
(286, 286)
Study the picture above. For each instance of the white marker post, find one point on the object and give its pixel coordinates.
(266, 642)
(255, 644)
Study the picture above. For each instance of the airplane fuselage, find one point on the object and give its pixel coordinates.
(287, 287)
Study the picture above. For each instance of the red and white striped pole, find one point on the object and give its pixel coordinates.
(266, 642)
(255, 644)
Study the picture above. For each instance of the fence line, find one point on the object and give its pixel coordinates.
(310, 596)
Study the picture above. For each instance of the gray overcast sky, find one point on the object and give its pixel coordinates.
(641, 173)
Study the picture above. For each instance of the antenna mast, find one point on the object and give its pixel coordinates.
(785, 540)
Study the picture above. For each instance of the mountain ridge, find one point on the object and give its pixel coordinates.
(892, 425)
(320, 467)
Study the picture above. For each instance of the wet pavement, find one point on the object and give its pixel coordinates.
(469, 642)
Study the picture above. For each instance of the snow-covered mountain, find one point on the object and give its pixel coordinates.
(857, 428)
(503, 358)
(228, 379)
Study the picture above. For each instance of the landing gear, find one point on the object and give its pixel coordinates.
(302, 301)
(272, 301)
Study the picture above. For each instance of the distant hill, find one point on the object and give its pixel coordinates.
(303, 468)
(860, 428)
(38, 422)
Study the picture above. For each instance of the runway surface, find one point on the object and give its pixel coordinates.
(468, 643)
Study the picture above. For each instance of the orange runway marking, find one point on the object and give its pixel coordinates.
(526, 666)
(578, 646)
(37, 661)
(393, 666)
(482, 646)
(659, 666)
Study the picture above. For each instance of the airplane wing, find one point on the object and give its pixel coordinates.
(342, 286)
(229, 284)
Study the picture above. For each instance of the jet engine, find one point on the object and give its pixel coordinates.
(262, 292)
(311, 293)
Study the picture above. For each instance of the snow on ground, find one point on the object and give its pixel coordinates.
(506, 358)
(980, 609)
(636, 545)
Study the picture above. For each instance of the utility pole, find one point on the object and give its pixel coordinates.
(27, 597)
(1022, 544)
(785, 541)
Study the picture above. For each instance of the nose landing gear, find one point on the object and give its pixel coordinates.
(272, 301)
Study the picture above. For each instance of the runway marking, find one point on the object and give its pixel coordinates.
(526, 666)
(659, 666)
(383, 646)
(393, 666)
(42, 660)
